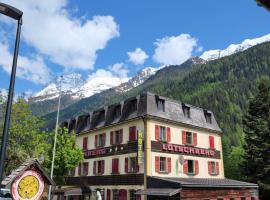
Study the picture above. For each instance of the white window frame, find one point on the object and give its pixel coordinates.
(191, 143)
(193, 166)
(213, 167)
(162, 129)
(165, 164)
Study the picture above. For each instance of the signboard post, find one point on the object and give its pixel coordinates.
(140, 147)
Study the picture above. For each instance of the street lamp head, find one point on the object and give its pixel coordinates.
(264, 3)
(10, 11)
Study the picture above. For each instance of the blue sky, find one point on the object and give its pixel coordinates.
(94, 37)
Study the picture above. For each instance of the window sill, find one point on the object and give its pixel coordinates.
(214, 174)
(191, 174)
(115, 173)
(132, 172)
(165, 141)
(163, 172)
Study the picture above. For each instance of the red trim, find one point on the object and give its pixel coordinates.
(217, 168)
(184, 139)
(169, 160)
(185, 167)
(157, 132)
(102, 166)
(168, 134)
(157, 164)
(126, 165)
(85, 143)
(209, 167)
(108, 194)
(111, 137)
(211, 142)
(121, 136)
(95, 168)
(132, 133)
(196, 167)
(195, 139)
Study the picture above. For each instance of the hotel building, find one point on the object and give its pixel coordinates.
(151, 147)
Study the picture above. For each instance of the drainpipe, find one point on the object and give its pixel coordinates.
(145, 153)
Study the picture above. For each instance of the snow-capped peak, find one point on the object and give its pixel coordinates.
(234, 48)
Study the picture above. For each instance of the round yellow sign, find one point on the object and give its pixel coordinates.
(28, 187)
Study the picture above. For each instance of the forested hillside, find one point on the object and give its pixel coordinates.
(224, 86)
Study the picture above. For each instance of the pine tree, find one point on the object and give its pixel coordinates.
(256, 164)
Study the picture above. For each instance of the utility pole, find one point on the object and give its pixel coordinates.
(55, 135)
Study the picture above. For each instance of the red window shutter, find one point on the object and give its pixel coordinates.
(96, 140)
(86, 168)
(116, 165)
(108, 194)
(85, 143)
(196, 167)
(195, 139)
(157, 164)
(209, 168)
(102, 166)
(217, 168)
(122, 194)
(157, 132)
(111, 137)
(95, 168)
(126, 165)
(80, 169)
(185, 167)
(138, 197)
(211, 142)
(104, 139)
(132, 133)
(169, 160)
(184, 139)
(113, 166)
(121, 136)
(137, 165)
(168, 134)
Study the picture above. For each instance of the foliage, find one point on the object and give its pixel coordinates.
(25, 138)
(256, 164)
(67, 155)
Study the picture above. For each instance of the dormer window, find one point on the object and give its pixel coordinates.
(208, 117)
(186, 110)
(160, 104)
(133, 106)
(117, 112)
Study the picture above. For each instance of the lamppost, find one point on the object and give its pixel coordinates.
(16, 14)
(55, 135)
(264, 3)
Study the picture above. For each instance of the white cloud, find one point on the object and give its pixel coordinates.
(138, 56)
(119, 70)
(66, 40)
(174, 50)
(33, 69)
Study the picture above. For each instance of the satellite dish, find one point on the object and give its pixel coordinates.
(181, 159)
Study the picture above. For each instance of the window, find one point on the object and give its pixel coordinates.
(162, 133)
(115, 166)
(190, 166)
(133, 106)
(186, 110)
(132, 195)
(243, 198)
(85, 168)
(189, 138)
(117, 112)
(213, 168)
(115, 194)
(99, 167)
(163, 167)
(100, 140)
(208, 117)
(160, 104)
(116, 137)
(132, 164)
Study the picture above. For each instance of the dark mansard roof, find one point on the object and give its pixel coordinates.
(146, 104)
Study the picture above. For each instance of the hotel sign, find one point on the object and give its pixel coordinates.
(164, 147)
(188, 150)
(140, 147)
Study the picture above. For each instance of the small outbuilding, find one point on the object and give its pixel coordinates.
(29, 181)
